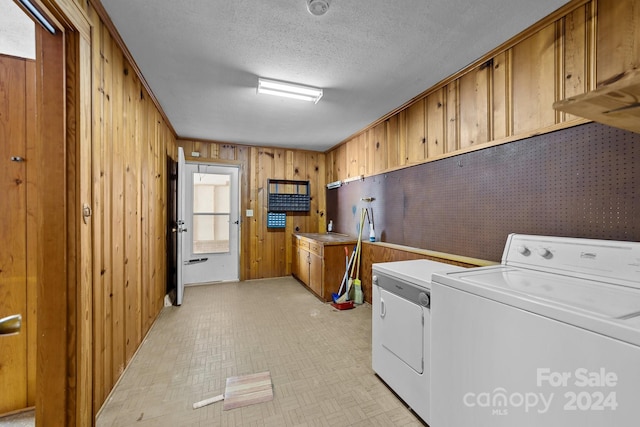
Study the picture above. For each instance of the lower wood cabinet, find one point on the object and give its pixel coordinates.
(319, 261)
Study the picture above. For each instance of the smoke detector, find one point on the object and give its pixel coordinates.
(317, 7)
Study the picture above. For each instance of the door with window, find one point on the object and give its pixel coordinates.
(211, 229)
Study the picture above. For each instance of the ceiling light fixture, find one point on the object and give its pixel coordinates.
(289, 90)
(317, 7)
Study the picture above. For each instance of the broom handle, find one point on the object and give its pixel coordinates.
(360, 243)
(358, 262)
(346, 272)
(353, 266)
(209, 401)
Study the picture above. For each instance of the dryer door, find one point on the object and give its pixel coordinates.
(402, 329)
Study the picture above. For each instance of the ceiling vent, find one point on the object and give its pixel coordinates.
(317, 7)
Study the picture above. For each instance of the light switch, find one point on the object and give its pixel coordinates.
(249, 212)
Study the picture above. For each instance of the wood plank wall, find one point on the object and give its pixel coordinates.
(130, 140)
(267, 252)
(130, 145)
(506, 96)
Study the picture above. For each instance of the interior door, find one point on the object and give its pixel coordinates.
(17, 289)
(210, 241)
(172, 227)
(180, 225)
(13, 232)
(13, 263)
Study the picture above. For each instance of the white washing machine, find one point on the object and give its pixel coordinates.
(401, 328)
(551, 337)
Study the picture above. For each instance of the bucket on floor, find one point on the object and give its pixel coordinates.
(343, 305)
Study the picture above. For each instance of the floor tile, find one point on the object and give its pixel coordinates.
(319, 359)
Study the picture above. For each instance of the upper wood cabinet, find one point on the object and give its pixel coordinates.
(379, 147)
(576, 30)
(452, 117)
(416, 133)
(355, 157)
(534, 81)
(618, 31)
(394, 154)
(508, 94)
(473, 91)
(435, 123)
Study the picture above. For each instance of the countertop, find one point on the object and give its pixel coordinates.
(329, 238)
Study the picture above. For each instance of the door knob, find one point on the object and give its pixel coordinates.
(11, 324)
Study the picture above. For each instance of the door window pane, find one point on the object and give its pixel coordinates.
(211, 213)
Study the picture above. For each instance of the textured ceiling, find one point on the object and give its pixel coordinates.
(202, 59)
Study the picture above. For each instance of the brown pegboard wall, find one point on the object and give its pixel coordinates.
(580, 182)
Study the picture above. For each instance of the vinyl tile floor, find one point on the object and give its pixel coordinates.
(319, 359)
(25, 418)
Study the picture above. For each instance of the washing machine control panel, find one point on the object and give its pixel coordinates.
(616, 260)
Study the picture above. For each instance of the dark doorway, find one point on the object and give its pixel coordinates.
(172, 224)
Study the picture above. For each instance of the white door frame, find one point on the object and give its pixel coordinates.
(180, 189)
(211, 267)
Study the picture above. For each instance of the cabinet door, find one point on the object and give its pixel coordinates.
(315, 274)
(416, 133)
(294, 261)
(303, 266)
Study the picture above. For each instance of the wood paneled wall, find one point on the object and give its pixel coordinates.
(124, 144)
(130, 144)
(507, 95)
(267, 252)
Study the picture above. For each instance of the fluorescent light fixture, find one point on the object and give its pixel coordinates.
(29, 7)
(334, 184)
(353, 178)
(289, 90)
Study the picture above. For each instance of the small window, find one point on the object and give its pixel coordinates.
(211, 213)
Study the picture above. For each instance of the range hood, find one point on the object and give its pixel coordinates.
(616, 103)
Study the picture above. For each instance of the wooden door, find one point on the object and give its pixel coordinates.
(16, 91)
(315, 273)
(294, 258)
(303, 266)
